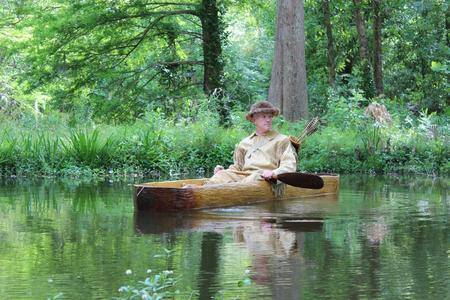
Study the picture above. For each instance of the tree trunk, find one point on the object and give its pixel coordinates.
(288, 80)
(363, 49)
(212, 57)
(377, 59)
(330, 43)
(447, 27)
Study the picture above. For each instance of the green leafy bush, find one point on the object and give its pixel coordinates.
(346, 142)
(86, 147)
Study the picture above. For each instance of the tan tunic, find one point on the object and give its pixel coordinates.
(256, 154)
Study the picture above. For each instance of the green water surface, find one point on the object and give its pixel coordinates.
(381, 238)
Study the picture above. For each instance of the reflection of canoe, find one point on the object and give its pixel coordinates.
(171, 196)
(146, 222)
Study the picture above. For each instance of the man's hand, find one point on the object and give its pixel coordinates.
(217, 169)
(267, 175)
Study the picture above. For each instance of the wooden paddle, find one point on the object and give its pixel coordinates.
(297, 179)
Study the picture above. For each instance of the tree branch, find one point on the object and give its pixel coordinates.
(144, 34)
(179, 63)
(172, 3)
(150, 80)
(149, 14)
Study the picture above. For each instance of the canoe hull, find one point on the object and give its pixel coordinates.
(171, 196)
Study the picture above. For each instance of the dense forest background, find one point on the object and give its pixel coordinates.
(161, 86)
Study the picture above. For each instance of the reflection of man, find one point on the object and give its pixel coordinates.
(264, 241)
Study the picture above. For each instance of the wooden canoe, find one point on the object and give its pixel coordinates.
(173, 196)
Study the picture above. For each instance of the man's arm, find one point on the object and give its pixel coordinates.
(238, 159)
(288, 158)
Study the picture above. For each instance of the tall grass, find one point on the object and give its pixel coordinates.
(155, 145)
(7, 150)
(89, 148)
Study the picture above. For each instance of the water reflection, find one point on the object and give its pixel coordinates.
(208, 284)
(383, 238)
(275, 245)
(159, 223)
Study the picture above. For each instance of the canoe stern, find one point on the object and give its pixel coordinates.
(148, 198)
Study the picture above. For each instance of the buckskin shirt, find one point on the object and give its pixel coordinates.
(257, 153)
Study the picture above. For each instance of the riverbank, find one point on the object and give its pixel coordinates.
(346, 142)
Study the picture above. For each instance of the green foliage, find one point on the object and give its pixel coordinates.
(151, 145)
(345, 110)
(117, 59)
(248, 54)
(163, 284)
(155, 287)
(7, 151)
(39, 151)
(87, 148)
(353, 142)
(346, 142)
(114, 62)
(416, 30)
(137, 68)
(329, 151)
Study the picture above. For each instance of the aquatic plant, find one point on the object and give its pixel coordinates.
(157, 286)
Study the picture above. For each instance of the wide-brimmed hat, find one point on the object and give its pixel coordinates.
(262, 107)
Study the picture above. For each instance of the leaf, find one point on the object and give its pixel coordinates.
(438, 67)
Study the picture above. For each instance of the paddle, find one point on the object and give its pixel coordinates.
(297, 179)
(303, 180)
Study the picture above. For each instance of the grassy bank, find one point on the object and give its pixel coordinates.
(346, 142)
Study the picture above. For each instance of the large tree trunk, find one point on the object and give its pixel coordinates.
(288, 80)
(212, 48)
(377, 59)
(212, 57)
(330, 43)
(363, 49)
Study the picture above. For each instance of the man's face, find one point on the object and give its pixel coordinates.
(263, 122)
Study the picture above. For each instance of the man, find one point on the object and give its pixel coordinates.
(263, 154)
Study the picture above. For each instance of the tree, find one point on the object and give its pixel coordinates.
(125, 56)
(288, 80)
(363, 48)
(212, 47)
(212, 32)
(415, 39)
(330, 44)
(377, 58)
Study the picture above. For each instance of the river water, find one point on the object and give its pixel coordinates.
(381, 238)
